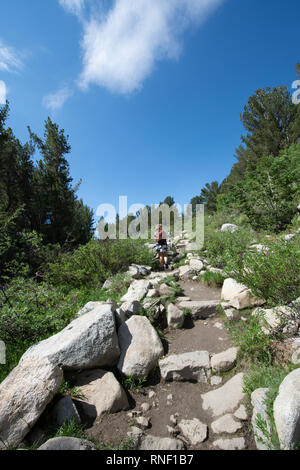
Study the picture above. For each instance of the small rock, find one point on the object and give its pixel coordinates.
(224, 361)
(143, 422)
(226, 424)
(215, 380)
(145, 407)
(237, 443)
(241, 413)
(151, 394)
(171, 431)
(229, 228)
(175, 316)
(193, 430)
(173, 420)
(152, 293)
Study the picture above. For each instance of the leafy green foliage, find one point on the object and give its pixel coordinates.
(134, 385)
(273, 275)
(270, 193)
(91, 264)
(254, 345)
(223, 247)
(208, 197)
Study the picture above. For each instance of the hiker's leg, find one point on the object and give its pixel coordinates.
(161, 259)
(166, 259)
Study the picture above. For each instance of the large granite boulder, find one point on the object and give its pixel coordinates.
(25, 393)
(100, 393)
(89, 341)
(200, 309)
(190, 366)
(287, 411)
(140, 347)
(67, 443)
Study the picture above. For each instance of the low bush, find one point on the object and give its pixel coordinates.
(90, 265)
(223, 247)
(273, 275)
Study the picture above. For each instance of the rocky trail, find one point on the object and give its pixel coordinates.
(156, 371)
(163, 409)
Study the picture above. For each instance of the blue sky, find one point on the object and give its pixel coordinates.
(149, 91)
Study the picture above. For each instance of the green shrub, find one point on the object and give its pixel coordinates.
(212, 279)
(91, 264)
(223, 247)
(254, 345)
(273, 275)
(31, 312)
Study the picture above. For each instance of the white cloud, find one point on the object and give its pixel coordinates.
(2, 92)
(10, 60)
(121, 48)
(73, 6)
(55, 101)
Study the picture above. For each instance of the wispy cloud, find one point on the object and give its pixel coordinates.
(73, 6)
(10, 59)
(55, 101)
(2, 92)
(122, 45)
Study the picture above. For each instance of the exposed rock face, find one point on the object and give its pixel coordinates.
(224, 361)
(193, 430)
(226, 398)
(258, 398)
(140, 347)
(25, 393)
(200, 308)
(67, 443)
(89, 341)
(192, 366)
(101, 393)
(175, 316)
(287, 411)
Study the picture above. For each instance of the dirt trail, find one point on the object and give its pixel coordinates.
(202, 335)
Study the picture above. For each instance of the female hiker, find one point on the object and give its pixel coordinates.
(162, 246)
